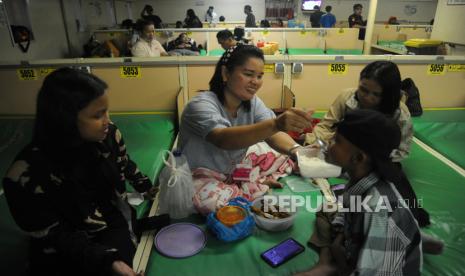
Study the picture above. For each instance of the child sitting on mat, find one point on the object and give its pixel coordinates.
(383, 239)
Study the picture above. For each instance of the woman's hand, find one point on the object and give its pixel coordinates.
(120, 268)
(294, 120)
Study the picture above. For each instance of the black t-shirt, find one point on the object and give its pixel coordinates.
(357, 20)
(155, 19)
(315, 19)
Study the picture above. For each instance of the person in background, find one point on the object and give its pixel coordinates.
(265, 23)
(127, 24)
(222, 19)
(328, 20)
(147, 45)
(183, 45)
(316, 16)
(136, 33)
(192, 20)
(250, 19)
(178, 24)
(239, 33)
(382, 237)
(393, 20)
(280, 23)
(147, 14)
(226, 39)
(211, 16)
(133, 33)
(67, 188)
(213, 120)
(356, 21)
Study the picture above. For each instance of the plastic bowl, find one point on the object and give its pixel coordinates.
(315, 169)
(273, 225)
(230, 215)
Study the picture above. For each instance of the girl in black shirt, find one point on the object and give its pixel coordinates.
(66, 189)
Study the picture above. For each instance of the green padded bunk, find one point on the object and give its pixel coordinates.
(216, 52)
(394, 44)
(443, 130)
(145, 136)
(440, 188)
(305, 51)
(344, 52)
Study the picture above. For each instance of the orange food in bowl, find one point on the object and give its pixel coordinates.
(230, 215)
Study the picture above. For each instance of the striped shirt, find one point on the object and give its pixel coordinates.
(383, 242)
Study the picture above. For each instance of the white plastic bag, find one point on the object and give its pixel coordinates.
(176, 187)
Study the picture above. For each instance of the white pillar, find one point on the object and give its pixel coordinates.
(370, 26)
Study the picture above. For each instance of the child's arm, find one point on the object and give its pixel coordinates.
(339, 254)
(131, 172)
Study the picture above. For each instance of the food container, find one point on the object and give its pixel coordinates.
(272, 224)
(231, 215)
(312, 164)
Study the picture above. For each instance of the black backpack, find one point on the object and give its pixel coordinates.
(413, 97)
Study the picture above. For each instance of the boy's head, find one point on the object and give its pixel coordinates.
(365, 138)
(358, 9)
(225, 39)
(328, 8)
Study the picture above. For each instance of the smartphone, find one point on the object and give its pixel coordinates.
(336, 190)
(282, 252)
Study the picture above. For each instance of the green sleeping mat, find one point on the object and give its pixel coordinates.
(439, 187)
(215, 52)
(344, 52)
(145, 136)
(305, 51)
(393, 44)
(443, 130)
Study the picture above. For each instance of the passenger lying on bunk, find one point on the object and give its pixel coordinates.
(383, 239)
(379, 89)
(66, 189)
(183, 45)
(218, 126)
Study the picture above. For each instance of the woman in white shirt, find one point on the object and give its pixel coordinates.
(147, 45)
